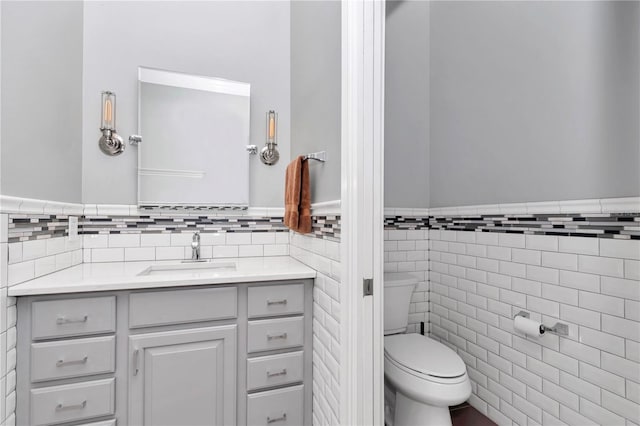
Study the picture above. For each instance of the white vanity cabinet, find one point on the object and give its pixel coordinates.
(219, 354)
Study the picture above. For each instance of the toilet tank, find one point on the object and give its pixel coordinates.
(398, 288)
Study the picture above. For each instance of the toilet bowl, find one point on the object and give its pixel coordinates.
(427, 376)
(423, 377)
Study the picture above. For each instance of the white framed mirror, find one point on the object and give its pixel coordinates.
(195, 132)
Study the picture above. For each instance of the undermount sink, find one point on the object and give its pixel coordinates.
(189, 267)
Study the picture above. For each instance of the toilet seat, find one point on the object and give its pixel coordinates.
(430, 390)
(424, 357)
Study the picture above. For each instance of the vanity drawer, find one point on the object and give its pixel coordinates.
(274, 370)
(182, 306)
(72, 358)
(78, 401)
(279, 407)
(73, 317)
(270, 300)
(266, 335)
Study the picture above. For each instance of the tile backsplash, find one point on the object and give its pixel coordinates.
(39, 245)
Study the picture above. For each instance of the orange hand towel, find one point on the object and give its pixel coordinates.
(297, 196)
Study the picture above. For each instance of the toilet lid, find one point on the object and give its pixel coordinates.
(424, 355)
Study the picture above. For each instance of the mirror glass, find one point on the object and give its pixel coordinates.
(195, 132)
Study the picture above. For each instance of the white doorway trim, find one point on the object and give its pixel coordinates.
(362, 344)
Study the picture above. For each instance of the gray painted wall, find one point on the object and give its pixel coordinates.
(244, 41)
(42, 100)
(406, 132)
(534, 101)
(316, 91)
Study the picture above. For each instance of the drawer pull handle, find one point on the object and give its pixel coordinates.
(79, 406)
(276, 336)
(282, 372)
(62, 363)
(277, 302)
(65, 320)
(282, 418)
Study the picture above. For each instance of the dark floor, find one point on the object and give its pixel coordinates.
(466, 415)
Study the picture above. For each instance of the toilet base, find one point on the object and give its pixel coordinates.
(410, 412)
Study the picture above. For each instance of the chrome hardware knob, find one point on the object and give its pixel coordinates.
(277, 302)
(276, 336)
(61, 362)
(61, 406)
(64, 320)
(282, 418)
(282, 372)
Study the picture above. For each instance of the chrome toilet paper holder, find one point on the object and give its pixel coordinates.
(559, 328)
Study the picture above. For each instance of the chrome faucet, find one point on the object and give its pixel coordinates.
(195, 247)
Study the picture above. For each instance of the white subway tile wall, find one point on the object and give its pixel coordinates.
(323, 255)
(407, 251)
(34, 258)
(479, 281)
(176, 246)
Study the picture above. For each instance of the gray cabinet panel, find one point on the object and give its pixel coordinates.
(182, 306)
(73, 317)
(275, 300)
(271, 334)
(57, 404)
(72, 358)
(281, 407)
(185, 377)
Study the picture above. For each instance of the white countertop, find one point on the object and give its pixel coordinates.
(125, 276)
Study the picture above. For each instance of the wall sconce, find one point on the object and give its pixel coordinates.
(110, 142)
(269, 154)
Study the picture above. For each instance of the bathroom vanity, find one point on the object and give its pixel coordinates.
(151, 344)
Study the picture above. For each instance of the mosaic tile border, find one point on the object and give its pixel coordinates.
(326, 227)
(24, 227)
(406, 223)
(189, 208)
(606, 225)
(177, 224)
(35, 227)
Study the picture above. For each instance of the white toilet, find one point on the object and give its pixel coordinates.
(423, 377)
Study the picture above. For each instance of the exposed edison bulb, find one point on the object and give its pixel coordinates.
(272, 127)
(108, 111)
(272, 118)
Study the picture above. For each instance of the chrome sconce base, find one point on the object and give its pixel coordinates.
(269, 155)
(111, 143)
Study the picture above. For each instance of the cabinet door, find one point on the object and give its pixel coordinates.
(183, 377)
